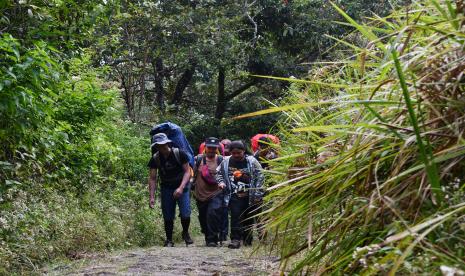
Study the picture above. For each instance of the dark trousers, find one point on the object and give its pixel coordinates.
(225, 224)
(168, 208)
(211, 217)
(238, 208)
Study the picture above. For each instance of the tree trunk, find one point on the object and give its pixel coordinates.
(142, 85)
(221, 99)
(182, 84)
(142, 95)
(159, 90)
(127, 93)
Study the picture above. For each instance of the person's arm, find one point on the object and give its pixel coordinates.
(185, 179)
(259, 179)
(152, 186)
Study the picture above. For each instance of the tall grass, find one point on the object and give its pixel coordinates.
(371, 173)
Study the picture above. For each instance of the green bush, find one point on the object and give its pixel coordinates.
(73, 171)
(371, 170)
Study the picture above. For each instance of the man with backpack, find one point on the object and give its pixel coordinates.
(208, 194)
(172, 165)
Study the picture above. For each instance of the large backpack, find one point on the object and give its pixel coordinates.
(175, 134)
(254, 140)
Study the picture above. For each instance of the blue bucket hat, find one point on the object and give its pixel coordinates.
(160, 139)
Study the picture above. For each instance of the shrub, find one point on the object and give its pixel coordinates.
(372, 163)
(73, 171)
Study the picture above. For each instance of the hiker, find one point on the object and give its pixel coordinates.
(208, 194)
(263, 154)
(220, 148)
(226, 143)
(225, 217)
(172, 164)
(265, 151)
(243, 179)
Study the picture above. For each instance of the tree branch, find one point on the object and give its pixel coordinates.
(182, 83)
(241, 89)
(246, 7)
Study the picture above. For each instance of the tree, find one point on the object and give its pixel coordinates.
(171, 53)
(66, 25)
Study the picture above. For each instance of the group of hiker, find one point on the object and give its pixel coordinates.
(226, 182)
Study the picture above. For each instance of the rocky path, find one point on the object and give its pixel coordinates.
(180, 260)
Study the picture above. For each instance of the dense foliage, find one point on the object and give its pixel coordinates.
(73, 172)
(371, 175)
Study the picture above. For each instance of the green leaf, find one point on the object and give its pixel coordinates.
(365, 30)
(306, 105)
(425, 151)
(11, 182)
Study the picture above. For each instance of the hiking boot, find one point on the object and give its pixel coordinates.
(235, 244)
(168, 243)
(187, 238)
(185, 222)
(212, 244)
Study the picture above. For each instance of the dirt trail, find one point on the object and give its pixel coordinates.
(179, 260)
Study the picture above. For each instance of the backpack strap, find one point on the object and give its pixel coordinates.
(177, 156)
(202, 158)
(198, 159)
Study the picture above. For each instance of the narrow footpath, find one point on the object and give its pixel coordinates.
(176, 261)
